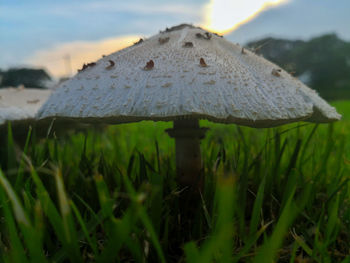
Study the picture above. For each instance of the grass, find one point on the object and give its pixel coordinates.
(270, 195)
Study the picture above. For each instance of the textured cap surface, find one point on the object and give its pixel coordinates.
(17, 104)
(186, 72)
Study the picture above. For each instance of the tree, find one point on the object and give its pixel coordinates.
(30, 78)
(322, 62)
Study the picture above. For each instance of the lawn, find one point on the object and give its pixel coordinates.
(110, 195)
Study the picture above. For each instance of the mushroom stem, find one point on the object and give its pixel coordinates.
(188, 134)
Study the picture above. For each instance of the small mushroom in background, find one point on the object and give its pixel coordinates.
(214, 80)
(19, 106)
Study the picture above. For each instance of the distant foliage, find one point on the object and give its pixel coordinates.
(30, 78)
(322, 62)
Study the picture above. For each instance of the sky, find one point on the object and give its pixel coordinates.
(62, 35)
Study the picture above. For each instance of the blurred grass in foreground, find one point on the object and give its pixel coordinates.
(271, 195)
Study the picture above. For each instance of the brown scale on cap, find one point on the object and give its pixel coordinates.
(111, 64)
(149, 65)
(276, 72)
(202, 63)
(85, 66)
(206, 35)
(138, 42)
(216, 34)
(33, 101)
(178, 27)
(188, 44)
(163, 40)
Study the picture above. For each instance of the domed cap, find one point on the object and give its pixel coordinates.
(186, 72)
(21, 104)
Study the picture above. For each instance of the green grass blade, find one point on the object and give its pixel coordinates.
(30, 236)
(19, 178)
(17, 253)
(251, 242)
(218, 247)
(144, 218)
(62, 225)
(307, 142)
(302, 244)
(84, 227)
(70, 233)
(156, 201)
(333, 221)
(48, 206)
(268, 251)
(20, 214)
(106, 202)
(191, 252)
(11, 154)
(254, 222)
(291, 175)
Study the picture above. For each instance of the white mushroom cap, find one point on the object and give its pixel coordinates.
(20, 104)
(187, 73)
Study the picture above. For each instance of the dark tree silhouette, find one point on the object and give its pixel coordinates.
(322, 62)
(30, 78)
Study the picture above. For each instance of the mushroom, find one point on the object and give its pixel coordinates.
(18, 106)
(212, 80)
(21, 104)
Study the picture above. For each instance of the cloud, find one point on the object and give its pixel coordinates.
(42, 24)
(76, 8)
(67, 58)
(224, 16)
(299, 19)
(185, 9)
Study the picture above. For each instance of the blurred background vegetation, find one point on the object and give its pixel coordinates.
(323, 63)
(30, 78)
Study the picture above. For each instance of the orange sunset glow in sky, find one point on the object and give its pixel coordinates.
(221, 16)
